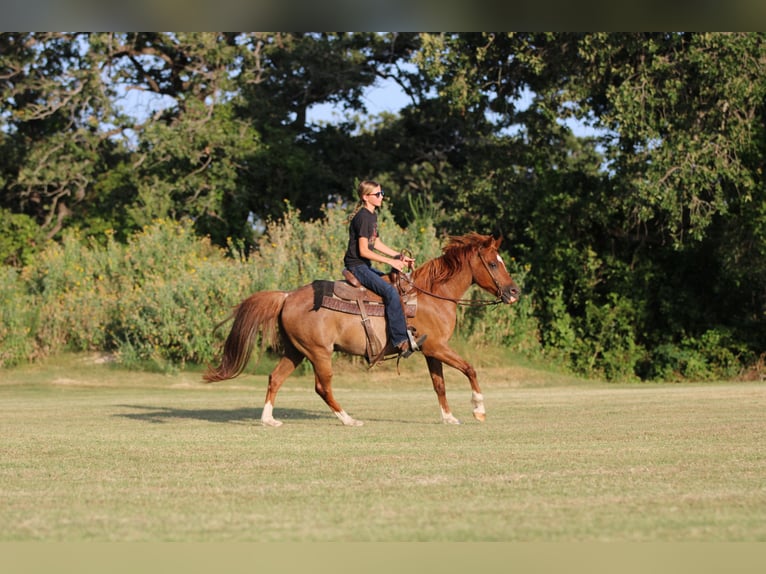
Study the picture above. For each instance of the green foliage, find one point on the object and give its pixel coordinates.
(294, 253)
(511, 326)
(606, 343)
(72, 285)
(155, 299)
(18, 318)
(643, 241)
(715, 355)
(20, 238)
(181, 288)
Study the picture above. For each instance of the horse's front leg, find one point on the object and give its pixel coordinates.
(448, 356)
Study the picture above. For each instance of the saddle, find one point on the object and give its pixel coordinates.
(349, 296)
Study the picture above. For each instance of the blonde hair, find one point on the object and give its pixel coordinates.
(364, 188)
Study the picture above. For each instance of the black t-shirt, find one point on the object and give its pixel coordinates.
(364, 224)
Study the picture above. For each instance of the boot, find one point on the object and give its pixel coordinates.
(404, 349)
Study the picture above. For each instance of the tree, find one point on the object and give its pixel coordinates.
(312, 165)
(642, 243)
(652, 218)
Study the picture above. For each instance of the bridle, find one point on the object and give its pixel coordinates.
(459, 301)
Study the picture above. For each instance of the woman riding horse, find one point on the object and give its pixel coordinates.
(366, 246)
(290, 322)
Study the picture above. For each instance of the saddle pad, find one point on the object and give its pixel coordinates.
(351, 307)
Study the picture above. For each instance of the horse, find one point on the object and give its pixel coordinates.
(290, 322)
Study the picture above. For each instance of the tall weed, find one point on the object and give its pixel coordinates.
(18, 317)
(155, 300)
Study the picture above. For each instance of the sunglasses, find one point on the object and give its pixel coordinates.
(376, 194)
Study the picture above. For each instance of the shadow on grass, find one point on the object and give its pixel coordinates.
(159, 415)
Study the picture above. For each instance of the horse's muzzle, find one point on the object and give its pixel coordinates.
(510, 293)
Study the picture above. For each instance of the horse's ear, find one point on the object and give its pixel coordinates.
(497, 236)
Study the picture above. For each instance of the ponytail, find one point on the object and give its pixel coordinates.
(359, 205)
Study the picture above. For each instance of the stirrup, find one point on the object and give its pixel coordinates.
(415, 345)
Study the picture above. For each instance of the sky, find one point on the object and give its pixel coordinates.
(383, 96)
(387, 96)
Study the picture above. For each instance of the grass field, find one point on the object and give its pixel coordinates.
(94, 453)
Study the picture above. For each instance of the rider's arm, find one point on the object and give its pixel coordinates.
(373, 255)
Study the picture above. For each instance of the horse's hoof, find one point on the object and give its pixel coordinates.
(271, 423)
(481, 417)
(450, 420)
(347, 420)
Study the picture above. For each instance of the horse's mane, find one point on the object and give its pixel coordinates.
(454, 254)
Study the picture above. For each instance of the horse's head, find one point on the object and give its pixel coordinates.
(490, 272)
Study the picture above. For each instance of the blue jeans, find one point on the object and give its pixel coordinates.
(395, 321)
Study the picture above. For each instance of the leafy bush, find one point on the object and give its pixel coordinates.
(75, 284)
(20, 240)
(154, 301)
(606, 342)
(18, 317)
(510, 326)
(713, 355)
(156, 298)
(180, 288)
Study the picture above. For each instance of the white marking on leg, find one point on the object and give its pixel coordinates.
(449, 418)
(347, 420)
(477, 400)
(267, 416)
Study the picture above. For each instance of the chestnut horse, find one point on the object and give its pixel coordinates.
(290, 322)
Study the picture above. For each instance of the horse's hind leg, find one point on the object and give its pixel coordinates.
(287, 364)
(436, 369)
(323, 387)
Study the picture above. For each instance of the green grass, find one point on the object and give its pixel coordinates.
(94, 453)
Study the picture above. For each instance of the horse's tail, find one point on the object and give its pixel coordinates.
(259, 313)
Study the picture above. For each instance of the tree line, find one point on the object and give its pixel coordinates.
(644, 244)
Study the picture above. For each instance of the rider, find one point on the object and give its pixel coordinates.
(364, 247)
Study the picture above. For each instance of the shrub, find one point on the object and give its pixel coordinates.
(511, 326)
(171, 317)
(177, 288)
(606, 342)
(713, 355)
(75, 284)
(20, 240)
(18, 317)
(155, 300)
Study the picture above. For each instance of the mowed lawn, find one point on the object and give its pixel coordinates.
(94, 453)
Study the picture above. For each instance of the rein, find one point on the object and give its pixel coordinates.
(467, 302)
(458, 301)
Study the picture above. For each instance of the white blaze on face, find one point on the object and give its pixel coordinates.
(500, 260)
